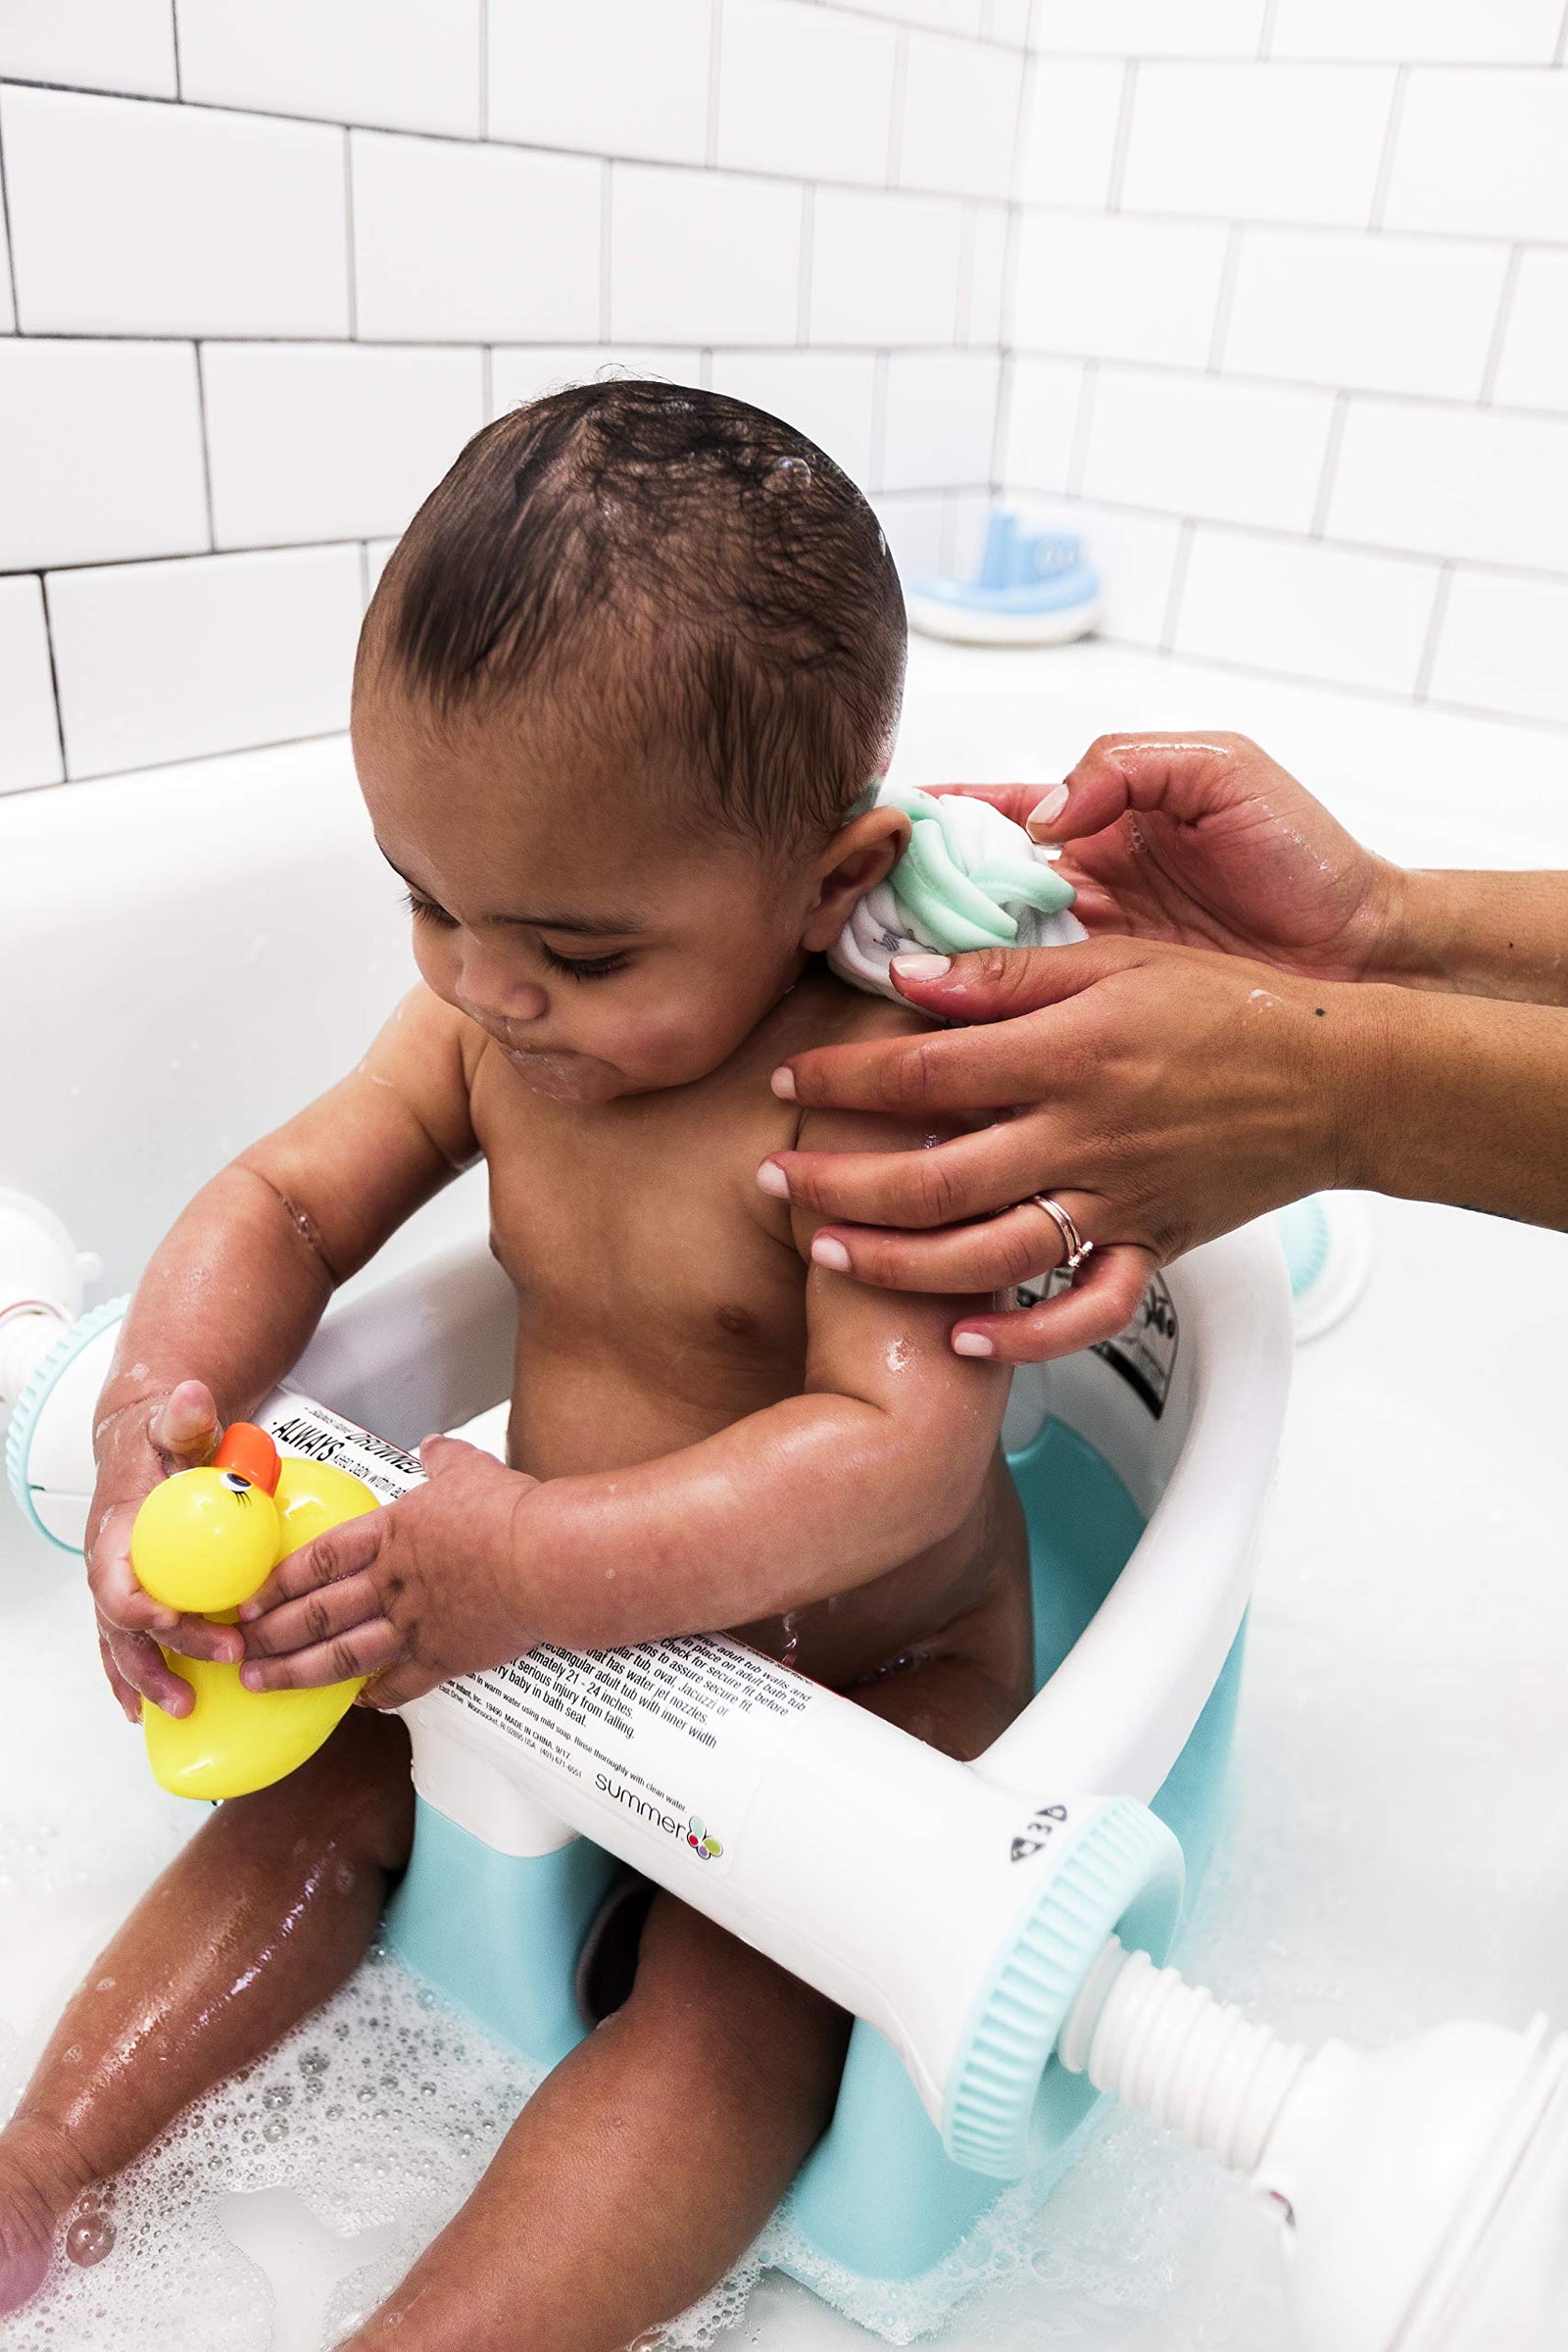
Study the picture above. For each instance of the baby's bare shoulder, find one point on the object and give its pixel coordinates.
(821, 1010)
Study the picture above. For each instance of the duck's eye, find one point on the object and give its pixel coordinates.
(235, 1484)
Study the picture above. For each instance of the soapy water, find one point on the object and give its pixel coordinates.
(381, 2112)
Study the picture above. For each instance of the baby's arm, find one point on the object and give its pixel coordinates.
(881, 1454)
(235, 1290)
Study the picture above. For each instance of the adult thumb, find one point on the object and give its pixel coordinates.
(1000, 984)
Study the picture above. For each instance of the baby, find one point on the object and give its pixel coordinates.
(619, 699)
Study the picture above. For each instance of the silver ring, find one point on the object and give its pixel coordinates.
(1072, 1241)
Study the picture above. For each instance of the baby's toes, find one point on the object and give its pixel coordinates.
(26, 2234)
(38, 2187)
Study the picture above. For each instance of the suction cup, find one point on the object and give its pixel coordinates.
(1327, 1239)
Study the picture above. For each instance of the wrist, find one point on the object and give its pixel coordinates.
(1423, 932)
(1359, 1111)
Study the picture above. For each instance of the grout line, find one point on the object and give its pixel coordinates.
(1447, 402)
(1178, 584)
(607, 249)
(988, 19)
(803, 282)
(11, 251)
(1429, 651)
(1229, 270)
(900, 76)
(54, 677)
(1276, 225)
(1083, 426)
(1331, 462)
(350, 258)
(1123, 137)
(207, 451)
(879, 415)
(174, 27)
(364, 573)
(1561, 50)
(1390, 140)
(716, 59)
(487, 381)
(963, 299)
(484, 68)
(1500, 332)
(1266, 35)
(704, 368)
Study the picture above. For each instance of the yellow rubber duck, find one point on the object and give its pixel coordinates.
(205, 1540)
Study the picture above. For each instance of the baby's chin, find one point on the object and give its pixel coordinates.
(568, 1077)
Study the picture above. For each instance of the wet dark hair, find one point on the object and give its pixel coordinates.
(707, 584)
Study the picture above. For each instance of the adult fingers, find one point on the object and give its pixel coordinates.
(950, 1071)
(1029, 804)
(364, 1650)
(1011, 1249)
(971, 1176)
(1187, 776)
(316, 1617)
(1102, 1301)
(342, 1552)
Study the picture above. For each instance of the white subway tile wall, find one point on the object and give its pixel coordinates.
(1289, 288)
(1268, 294)
(275, 260)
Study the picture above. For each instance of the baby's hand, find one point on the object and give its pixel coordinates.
(412, 1595)
(143, 1442)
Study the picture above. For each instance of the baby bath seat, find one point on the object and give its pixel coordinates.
(997, 1933)
(1143, 1468)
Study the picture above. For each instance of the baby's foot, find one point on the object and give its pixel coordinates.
(40, 2180)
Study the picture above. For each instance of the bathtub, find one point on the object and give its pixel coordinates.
(1400, 1750)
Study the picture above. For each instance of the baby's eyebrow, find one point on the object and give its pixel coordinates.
(608, 926)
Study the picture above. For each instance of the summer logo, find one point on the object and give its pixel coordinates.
(704, 1846)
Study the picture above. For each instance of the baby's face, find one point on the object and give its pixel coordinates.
(603, 950)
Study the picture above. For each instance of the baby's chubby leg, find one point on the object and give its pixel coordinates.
(265, 1913)
(646, 2163)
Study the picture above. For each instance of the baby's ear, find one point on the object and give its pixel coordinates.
(859, 856)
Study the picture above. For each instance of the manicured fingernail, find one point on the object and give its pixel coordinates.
(972, 1342)
(251, 1676)
(825, 1251)
(783, 1084)
(922, 968)
(772, 1178)
(1046, 811)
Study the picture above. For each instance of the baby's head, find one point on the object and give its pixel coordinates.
(619, 697)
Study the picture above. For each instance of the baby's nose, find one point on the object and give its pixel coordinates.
(502, 1013)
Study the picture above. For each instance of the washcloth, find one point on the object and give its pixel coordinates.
(969, 878)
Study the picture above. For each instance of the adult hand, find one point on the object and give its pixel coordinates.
(1167, 1095)
(139, 1444)
(1205, 841)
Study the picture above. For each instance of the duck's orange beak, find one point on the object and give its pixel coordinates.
(250, 1452)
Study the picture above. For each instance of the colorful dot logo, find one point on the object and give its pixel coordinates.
(707, 1848)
